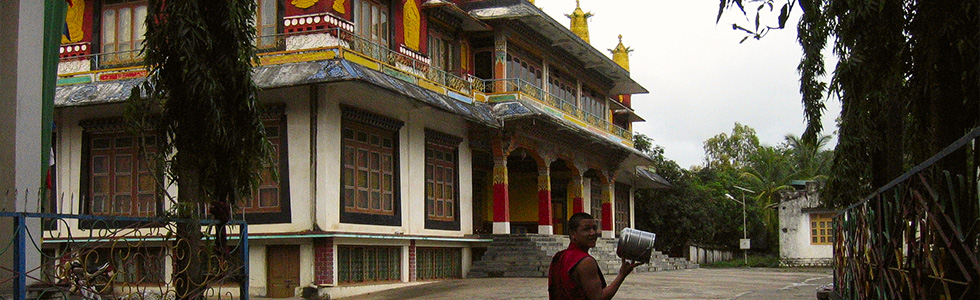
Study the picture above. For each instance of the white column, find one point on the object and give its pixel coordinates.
(21, 29)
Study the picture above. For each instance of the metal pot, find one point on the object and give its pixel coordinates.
(635, 245)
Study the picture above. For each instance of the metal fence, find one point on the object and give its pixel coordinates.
(104, 257)
(917, 237)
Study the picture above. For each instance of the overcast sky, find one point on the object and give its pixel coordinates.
(701, 80)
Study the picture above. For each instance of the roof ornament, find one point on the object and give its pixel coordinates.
(621, 54)
(579, 24)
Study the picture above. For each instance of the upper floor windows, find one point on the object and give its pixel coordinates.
(593, 103)
(561, 86)
(123, 28)
(266, 20)
(371, 21)
(443, 51)
(521, 66)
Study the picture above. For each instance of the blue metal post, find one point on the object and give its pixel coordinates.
(20, 256)
(244, 248)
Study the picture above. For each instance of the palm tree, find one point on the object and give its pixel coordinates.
(808, 160)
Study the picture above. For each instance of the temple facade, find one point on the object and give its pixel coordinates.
(408, 134)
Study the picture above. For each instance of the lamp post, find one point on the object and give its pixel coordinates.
(744, 243)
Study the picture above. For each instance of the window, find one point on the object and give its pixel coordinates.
(369, 166)
(266, 20)
(595, 194)
(821, 229)
(524, 67)
(269, 196)
(441, 180)
(594, 104)
(560, 86)
(443, 51)
(622, 207)
(371, 21)
(121, 179)
(123, 28)
(357, 264)
(439, 263)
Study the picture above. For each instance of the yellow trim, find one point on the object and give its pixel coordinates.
(431, 85)
(296, 57)
(362, 60)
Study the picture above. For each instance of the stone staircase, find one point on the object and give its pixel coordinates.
(529, 255)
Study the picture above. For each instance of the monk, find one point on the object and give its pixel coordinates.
(574, 274)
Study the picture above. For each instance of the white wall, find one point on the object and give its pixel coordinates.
(20, 136)
(417, 117)
(794, 235)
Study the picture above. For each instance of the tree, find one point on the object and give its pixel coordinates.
(907, 77)
(199, 55)
(808, 159)
(731, 151)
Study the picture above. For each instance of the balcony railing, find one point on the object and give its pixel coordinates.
(337, 37)
(323, 40)
(520, 86)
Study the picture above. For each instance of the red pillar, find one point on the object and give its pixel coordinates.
(501, 199)
(607, 210)
(575, 192)
(545, 214)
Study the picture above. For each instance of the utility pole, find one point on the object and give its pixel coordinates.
(744, 244)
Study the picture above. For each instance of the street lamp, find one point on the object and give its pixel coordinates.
(744, 243)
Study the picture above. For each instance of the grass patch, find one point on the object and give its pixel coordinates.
(754, 261)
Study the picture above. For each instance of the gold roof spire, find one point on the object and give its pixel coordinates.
(621, 54)
(580, 25)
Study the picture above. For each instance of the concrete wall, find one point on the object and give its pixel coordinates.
(417, 118)
(21, 29)
(703, 255)
(795, 248)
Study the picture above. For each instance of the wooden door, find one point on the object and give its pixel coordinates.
(282, 270)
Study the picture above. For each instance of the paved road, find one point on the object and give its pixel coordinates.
(755, 283)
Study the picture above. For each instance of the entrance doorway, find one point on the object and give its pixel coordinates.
(282, 270)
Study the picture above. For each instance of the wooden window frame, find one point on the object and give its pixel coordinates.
(441, 152)
(113, 157)
(134, 41)
(821, 229)
(262, 40)
(355, 263)
(435, 263)
(383, 36)
(374, 136)
(274, 120)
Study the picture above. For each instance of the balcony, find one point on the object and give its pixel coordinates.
(337, 43)
(520, 89)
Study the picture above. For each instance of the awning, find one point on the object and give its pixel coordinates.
(467, 21)
(293, 74)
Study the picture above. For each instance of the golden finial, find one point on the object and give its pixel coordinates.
(580, 25)
(621, 54)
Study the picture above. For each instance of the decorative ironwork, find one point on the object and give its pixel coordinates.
(119, 258)
(917, 237)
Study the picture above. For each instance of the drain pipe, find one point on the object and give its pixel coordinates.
(314, 107)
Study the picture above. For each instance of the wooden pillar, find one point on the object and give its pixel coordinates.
(499, 62)
(575, 191)
(501, 198)
(608, 192)
(545, 213)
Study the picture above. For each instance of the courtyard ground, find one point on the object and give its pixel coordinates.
(733, 283)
